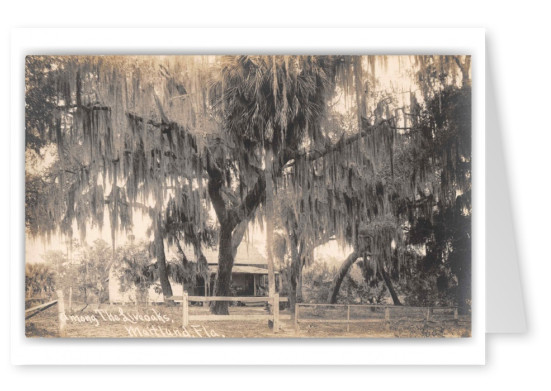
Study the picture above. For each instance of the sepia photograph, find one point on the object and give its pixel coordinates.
(248, 196)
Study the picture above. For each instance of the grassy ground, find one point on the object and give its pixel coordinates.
(162, 321)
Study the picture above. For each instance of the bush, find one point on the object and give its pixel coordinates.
(40, 280)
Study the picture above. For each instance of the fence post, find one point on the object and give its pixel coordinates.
(275, 302)
(348, 318)
(61, 313)
(455, 314)
(185, 310)
(387, 318)
(429, 311)
(296, 317)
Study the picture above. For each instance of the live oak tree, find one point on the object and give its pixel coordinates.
(92, 118)
(269, 105)
(275, 109)
(368, 187)
(428, 177)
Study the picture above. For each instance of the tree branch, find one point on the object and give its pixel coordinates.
(84, 107)
(215, 183)
(343, 142)
(237, 235)
(253, 198)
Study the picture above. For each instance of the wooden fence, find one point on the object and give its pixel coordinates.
(273, 301)
(427, 313)
(29, 313)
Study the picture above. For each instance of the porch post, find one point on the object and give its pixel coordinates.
(254, 284)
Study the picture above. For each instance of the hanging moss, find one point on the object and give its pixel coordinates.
(140, 129)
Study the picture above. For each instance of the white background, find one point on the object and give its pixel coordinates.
(519, 54)
(253, 352)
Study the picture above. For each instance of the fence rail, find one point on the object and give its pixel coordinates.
(60, 311)
(274, 301)
(242, 299)
(428, 313)
(38, 309)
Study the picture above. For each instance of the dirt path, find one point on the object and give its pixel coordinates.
(166, 322)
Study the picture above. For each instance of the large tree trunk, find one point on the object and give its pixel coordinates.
(161, 259)
(464, 292)
(270, 222)
(294, 274)
(295, 284)
(465, 68)
(222, 285)
(390, 287)
(231, 230)
(299, 282)
(343, 270)
(228, 243)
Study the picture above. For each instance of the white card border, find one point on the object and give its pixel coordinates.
(25, 351)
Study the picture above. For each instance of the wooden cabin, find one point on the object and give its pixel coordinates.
(249, 273)
(249, 278)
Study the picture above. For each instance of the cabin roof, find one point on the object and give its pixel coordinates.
(239, 269)
(247, 255)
